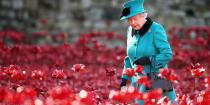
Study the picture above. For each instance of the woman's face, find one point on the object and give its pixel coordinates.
(137, 21)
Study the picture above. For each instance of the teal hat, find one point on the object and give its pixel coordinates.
(132, 8)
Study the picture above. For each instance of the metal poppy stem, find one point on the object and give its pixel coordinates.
(195, 82)
(110, 82)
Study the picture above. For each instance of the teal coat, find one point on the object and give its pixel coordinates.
(153, 42)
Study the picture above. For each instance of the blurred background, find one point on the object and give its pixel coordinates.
(50, 43)
(82, 16)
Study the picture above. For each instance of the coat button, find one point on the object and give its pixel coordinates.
(134, 44)
(150, 31)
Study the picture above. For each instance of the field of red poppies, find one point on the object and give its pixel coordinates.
(88, 72)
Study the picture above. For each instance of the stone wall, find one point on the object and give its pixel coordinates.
(79, 16)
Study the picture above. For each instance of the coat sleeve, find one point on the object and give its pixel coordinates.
(164, 50)
(127, 63)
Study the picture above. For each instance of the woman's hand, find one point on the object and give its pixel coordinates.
(123, 83)
(142, 61)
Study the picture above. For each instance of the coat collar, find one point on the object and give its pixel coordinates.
(144, 28)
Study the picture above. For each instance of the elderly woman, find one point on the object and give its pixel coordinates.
(147, 45)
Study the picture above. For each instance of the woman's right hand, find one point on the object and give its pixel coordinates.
(123, 83)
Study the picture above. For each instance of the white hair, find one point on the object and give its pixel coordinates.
(144, 14)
